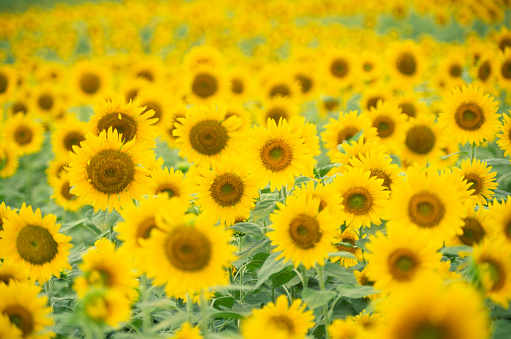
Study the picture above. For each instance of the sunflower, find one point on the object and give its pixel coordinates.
(302, 232)
(350, 237)
(344, 128)
(203, 55)
(62, 195)
(91, 79)
(500, 220)
(475, 229)
(485, 71)
(13, 272)
(224, 193)
(469, 115)
(371, 67)
(410, 104)
(309, 134)
(449, 155)
(363, 280)
(373, 94)
(204, 134)
(26, 133)
(242, 84)
(429, 310)
(131, 87)
(504, 70)
(481, 180)
(328, 105)
(369, 322)
(240, 111)
(34, 242)
(345, 328)
(57, 169)
(169, 182)
(277, 154)
(47, 103)
(429, 202)
(9, 330)
(9, 160)
(406, 62)
(329, 198)
(279, 320)
(106, 173)
(25, 310)
(390, 124)
(140, 221)
(379, 166)
(187, 254)
(176, 111)
(451, 66)
(354, 150)
(104, 306)
(423, 141)
(400, 258)
(156, 99)
(148, 67)
(206, 85)
(67, 133)
(502, 39)
(340, 69)
(277, 108)
(187, 332)
(491, 258)
(363, 197)
(104, 267)
(279, 81)
(130, 120)
(8, 81)
(504, 141)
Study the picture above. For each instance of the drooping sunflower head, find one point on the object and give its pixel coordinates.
(500, 220)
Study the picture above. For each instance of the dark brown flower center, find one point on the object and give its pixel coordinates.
(473, 232)
(208, 137)
(339, 68)
(409, 109)
(90, 83)
(305, 231)
(280, 89)
(402, 264)
(381, 174)
(73, 138)
(64, 191)
(153, 105)
(420, 139)
(276, 155)
(357, 200)
(475, 181)
(283, 322)
(346, 134)
(36, 245)
(227, 189)
(111, 171)
(426, 210)
(276, 113)
(4, 82)
(504, 43)
(21, 317)
(496, 272)
(484, 71)
(19, 106)
(145, 227)
(146, 74)
(330, 104)
(237, 86)
(406, 64)
(455, 70)
(373, 101)
(169, 188)
(505, 69)
(469, 116)
(204, 85)
(188, 249)
(45, 102)
(23, 135)
(384, 125)
(122, 123)
(305, 82)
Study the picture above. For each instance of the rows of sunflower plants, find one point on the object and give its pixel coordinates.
(288, 169)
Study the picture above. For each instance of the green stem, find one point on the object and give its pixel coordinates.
(321, 278)
(189, 308)
(204, 314)
(305, 278)
(146, 316)
(28, 178)
(472, 151)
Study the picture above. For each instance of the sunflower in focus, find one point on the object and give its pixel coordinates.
(400, 258)
(349, 237)
(129, 119)
(204, 134)
(24, 132)
(9, 160)
(452, 311)
(34, 242)
(277, 155)
(302, 232)
(504, 141)
(469, 115)
(107, 173)
(224, 193)
(481, 180)
(25, 310)
(68, 133)
(364, 197)
(187, 254)
(279, 320)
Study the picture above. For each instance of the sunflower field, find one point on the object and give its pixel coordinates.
(255, 169)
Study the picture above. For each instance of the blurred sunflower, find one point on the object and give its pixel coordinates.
(9, 160)
(279, 320)
(104, 306)
(169, 182)
(187, 254)
(33, 241)
(277, 108)
(344, 328)
(24, 132)
(379, 166)
(364, 197)
(10, 271)
(301, 233)
(401, 258)
(67, 133)
(175, 112)
(156, 99)
(504, 141)
(62, 195)
(279, 81)
(500, 217)
(480, 179)
(469, 115)
(369, 322)
(91, 80)
(504, 70)
(9, 330)
(390, 124)
(242, 84)
(475, 229)
(106, 173)
(187, 332)
(8, 81)
(340, 69)
(329, 198)
(207, 85)
(423, 141)
(485, 71)
(129, 120)
(242, 112)
(277, 155)
(226, 192)
(204, 134)
(373, 94)
(354, 150)
(347, 236)
(25, 310)
(405, 62)
(410, 104)
(47, 103)
(57, 169)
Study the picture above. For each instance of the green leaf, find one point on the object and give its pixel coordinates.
(223, 301)
(503, 193)
(263, 209)
(228, 315)
(342, 254)
(501, 329)
(450, 155)
(270, 267)
(356, 136)
(325, 169)
(453, 251)
(340, 273)
(247, 228)
(283, 277)
(300, 180)
(257, 261)
(70, 225)
(497, 161)
(315, 299)
(254, 248)
(355, 291)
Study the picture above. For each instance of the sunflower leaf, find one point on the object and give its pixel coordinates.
(342, 254)
(496, 161)
(247, 228)
(454, 251)
(355, 292)
(270, 267)
(340, 273)
(315, 299)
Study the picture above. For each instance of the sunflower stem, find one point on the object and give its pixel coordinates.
(305, 279)
(146, 317)
(204, 315)
(321, 278)
(472, 151)
(28, 177)
(189, 308)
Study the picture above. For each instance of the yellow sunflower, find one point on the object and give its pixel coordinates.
(329, 197)
(155, 98)
(106, 173)
(67, 133)
(390, 124)
(476, 227)
(224, 193)
(57, 169)
(350, 237)
(344, 328)
(469, 115)
(405, 62)
(8, 81)
(105, 306)
(410, 104)
(302, 232)
(370, 322)
(277, 108)
(26, 133)
(363, 280)
(504, 141)
(279, 81)
(187, 254)
(429, 202)
(129, 119)
(504, 70)
(187, 332)
(279, 320)
(91, 80)
(481, 180)
(485, 71)
(204, 134)
(203, 55)
(344, 128)
(309, 134)
(430, 310)
(240, 111)
(10, 271)
(5, 212)
(169, 182)
(500, 217)
(47, 103)
(140, 221)
(491, 258)
(364, 197)
(242, 84)
(25, 310)
(131, 87)
(9, 160)
(206, 84)
(340, 69)
(9, 330)
(105, 267)
(400, 258)
(354, 150)
(34, 242)
(375, 93)
(277, 155)
(62, 195)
